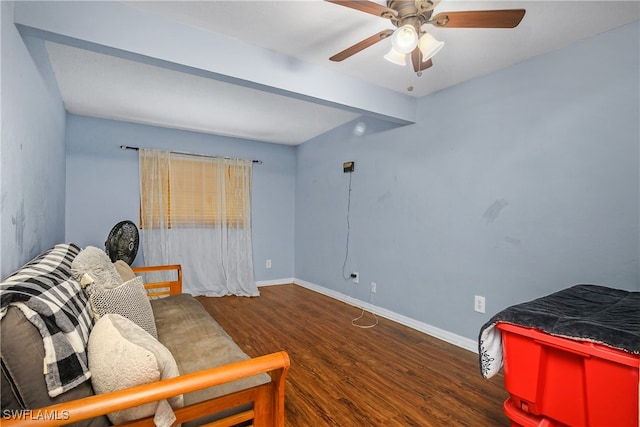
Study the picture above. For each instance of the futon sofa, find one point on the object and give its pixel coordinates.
(86, 341)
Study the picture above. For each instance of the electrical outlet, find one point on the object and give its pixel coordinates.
(478, 304)
(355, 276)
(268, 263)
(374, 287)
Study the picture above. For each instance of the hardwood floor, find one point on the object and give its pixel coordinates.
(341, 375)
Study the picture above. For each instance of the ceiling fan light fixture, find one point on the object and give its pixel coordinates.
(404, 39)
(429, 46)
(396, 57)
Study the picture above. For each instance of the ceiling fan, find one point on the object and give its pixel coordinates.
(409, 16)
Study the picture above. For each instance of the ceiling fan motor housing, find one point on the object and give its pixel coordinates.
(415, 13)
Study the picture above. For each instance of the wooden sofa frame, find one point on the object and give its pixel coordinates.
(267, 399)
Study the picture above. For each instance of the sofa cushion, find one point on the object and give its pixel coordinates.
(123, 355)
(23, 384)
(201, 343)
(129, 300)
(124, 270)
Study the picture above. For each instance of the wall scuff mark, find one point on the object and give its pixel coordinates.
(512, 240)
(385, 196)
(19, 222)
(492, 213)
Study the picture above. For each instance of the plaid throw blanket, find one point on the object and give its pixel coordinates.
(56, 304)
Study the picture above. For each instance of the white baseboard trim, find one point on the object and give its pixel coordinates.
(275, 282)
(441, 334)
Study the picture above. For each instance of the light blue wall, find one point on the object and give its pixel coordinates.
(510, 186)
(32, 156)
(102, 184)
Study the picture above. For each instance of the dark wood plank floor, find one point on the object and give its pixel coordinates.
(340, 375)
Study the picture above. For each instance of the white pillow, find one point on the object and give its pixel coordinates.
(121, 355)
(97, 265)
(124, 270)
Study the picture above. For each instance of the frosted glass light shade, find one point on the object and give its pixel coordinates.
(429, 46)
(404, 39)
(396, 57)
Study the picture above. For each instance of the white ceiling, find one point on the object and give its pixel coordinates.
(98, 85)
(307, 32)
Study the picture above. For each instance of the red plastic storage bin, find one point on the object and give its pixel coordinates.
(519, 418)
(569, 382)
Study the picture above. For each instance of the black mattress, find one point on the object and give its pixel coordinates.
(582, 312)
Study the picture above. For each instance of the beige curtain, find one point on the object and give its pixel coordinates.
(196, 211)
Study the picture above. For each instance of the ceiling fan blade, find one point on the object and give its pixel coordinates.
(418, 65)
(364, 6)
(479, 19)
(369, 41)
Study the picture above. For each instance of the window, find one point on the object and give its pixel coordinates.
(187, 191)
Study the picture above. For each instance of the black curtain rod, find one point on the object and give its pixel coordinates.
(128, 147)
